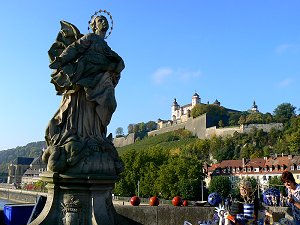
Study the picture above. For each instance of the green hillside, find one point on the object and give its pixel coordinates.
(168, 141)
(33, 149)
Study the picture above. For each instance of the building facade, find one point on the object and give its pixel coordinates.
(262, 169)
(17, 168)
(32, 174)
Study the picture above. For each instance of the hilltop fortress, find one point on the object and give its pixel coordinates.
(202, 127)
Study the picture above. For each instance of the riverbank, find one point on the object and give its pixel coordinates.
(22, 196)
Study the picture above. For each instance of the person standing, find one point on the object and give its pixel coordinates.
(293, 192)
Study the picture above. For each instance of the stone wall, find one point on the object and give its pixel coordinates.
(264, 127)
(167, 129)
(197, 126)
(165, 214)
(223, 132)
(122, 141)
(20, 195)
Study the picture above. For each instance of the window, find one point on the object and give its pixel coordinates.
(249, 169)
(298, 167)
(264, 178)
(244, 169)
(265, 169)
(292, 167)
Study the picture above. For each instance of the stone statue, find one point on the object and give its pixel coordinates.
(85, 72)
(82, 162)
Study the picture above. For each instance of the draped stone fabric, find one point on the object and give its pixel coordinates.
(86, 73)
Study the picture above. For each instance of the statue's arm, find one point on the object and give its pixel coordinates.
(72, 52)
(120, 65)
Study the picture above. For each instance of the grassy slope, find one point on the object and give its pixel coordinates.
(170, 140)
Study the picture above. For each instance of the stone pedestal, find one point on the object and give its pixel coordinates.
(78, 199)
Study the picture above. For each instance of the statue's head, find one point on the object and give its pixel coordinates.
(99, 24)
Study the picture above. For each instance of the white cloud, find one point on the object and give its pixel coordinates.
(295, 48)
(283, 48)
(186, 75)
(161, 75)
(285, 83)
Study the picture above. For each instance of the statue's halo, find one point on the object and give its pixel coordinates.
(101, 11)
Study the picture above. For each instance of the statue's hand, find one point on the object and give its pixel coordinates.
(56, 64)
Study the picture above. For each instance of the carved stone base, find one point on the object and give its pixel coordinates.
(78, 199)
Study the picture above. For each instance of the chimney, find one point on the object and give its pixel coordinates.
(243, 162)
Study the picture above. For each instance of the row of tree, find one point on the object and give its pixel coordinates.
(140, 128)
(160, 172)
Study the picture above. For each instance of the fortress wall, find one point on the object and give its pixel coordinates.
(197, 126)
(227, 131)
(122, 141)
(167, 129)
(264, 127)
(210, 132)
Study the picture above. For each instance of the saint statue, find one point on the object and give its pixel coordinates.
(85, 72)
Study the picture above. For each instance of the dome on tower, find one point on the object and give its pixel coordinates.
(216, 102)
(175, 102)
(254, 107)
(196, 95)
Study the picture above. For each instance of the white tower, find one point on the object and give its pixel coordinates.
(174, 108)
(254, 107)
(195, 99)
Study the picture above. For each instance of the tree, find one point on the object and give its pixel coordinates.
(151, 125)
(198, 110)
(220, 123)
(180, 175)
(130, 128)
(119, 132)
(234, 118)
(221, 185)
(284, 112)
(242, 120)
(255, 117)
(276, 182)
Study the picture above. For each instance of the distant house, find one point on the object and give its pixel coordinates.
(32, 174)
(17, 168)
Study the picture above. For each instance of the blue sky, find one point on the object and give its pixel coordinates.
(233, 51)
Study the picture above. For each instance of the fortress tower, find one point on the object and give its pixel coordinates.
(183, 112)
(195, 99)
